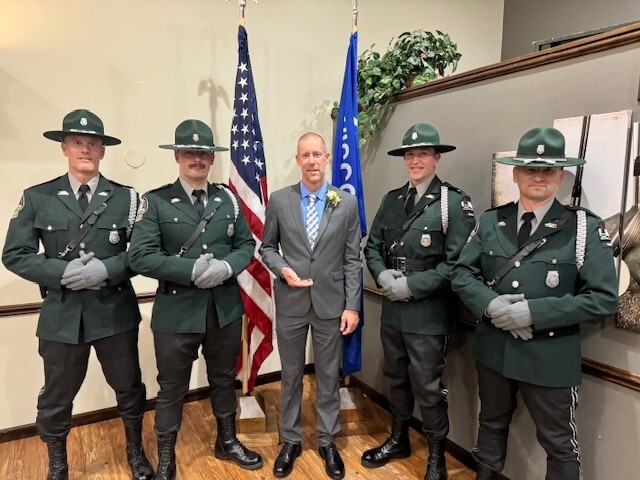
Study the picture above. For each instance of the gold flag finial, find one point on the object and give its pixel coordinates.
(354, 3)
(242, 4)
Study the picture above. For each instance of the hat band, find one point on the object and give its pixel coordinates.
(550, 161)
(431, 144)
(90, 132)
(194, 146)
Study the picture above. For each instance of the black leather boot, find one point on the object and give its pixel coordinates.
(166, 457)
(58, 467)
(228, 447)
(137, 460)
(483, 473)
(436, 464)
(396, 446)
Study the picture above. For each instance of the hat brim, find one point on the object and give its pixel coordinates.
(399, 152)
(58, 136)
(194, 147)
(541, 162)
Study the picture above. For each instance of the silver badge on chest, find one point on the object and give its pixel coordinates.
(230, 230)
(553, 279)
(114, 237)
(425, 240)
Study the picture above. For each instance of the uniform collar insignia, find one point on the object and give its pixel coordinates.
(104, 194)
(217, 199)
(63, 192)
(502, 223)
(551, 225)
(430, 196)
(175, 200)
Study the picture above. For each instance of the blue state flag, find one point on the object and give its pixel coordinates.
(347, 175)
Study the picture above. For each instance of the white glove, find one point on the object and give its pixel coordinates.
(92, 276)
(215, 275)
(201, 265)
(78, 262)
(512, 317)
(398, 290)
(386, 277)
(523, 333)
(502, 301)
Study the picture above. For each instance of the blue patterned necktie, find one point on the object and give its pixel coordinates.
(312, 220)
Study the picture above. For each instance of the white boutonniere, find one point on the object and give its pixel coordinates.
(333, 198)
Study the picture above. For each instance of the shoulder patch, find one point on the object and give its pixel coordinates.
(605, 238)
(142, 208)
(18, 208)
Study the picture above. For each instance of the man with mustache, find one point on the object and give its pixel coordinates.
(193, 237)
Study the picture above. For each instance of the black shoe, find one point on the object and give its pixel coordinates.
(137, 460)
(58, 466)
(396, 446)
(483, 473)
(166, 457)
(283, 465)
(334, 466)
(436, 463)
(228, 447)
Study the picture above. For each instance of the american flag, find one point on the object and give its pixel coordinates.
(248, 179)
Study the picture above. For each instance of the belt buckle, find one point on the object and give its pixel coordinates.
(401, 264)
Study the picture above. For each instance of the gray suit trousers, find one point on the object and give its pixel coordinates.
(327, 350)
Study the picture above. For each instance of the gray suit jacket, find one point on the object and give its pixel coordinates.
(334, 264)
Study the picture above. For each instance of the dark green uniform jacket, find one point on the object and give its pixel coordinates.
(50, 214)
(166, 220)
(560, 295)
(432, 310)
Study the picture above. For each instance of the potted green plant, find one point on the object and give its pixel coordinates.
(412, 59)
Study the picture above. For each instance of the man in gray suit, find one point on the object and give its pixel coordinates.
(311, 242)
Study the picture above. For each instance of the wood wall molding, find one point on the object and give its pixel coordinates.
(586, 46)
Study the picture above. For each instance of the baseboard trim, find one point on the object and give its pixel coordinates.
(29, 430)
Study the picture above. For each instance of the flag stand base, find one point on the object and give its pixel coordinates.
(257, 423)
(357, 414)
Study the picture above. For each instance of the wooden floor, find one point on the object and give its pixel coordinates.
(96, 451)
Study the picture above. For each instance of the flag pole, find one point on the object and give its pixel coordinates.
(354, 26)
(245, 319)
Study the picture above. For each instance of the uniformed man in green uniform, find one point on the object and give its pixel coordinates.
(531, 272)
(193, 237)
(413, 244)
(83, 221)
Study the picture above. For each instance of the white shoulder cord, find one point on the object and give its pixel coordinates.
(444, 207)
(581, 237)
(133, 210)
(234, 201)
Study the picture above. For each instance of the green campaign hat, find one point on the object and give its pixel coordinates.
(81, 122)
(194, 135)
(421, 135)
(541, 147)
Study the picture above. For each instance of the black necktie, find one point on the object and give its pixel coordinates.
(198, 203)
(525, 229)
(83, 200)
(410, 201)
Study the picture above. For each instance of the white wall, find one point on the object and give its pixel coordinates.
(143, 66)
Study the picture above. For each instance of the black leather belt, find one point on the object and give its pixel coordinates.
(405, 264)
